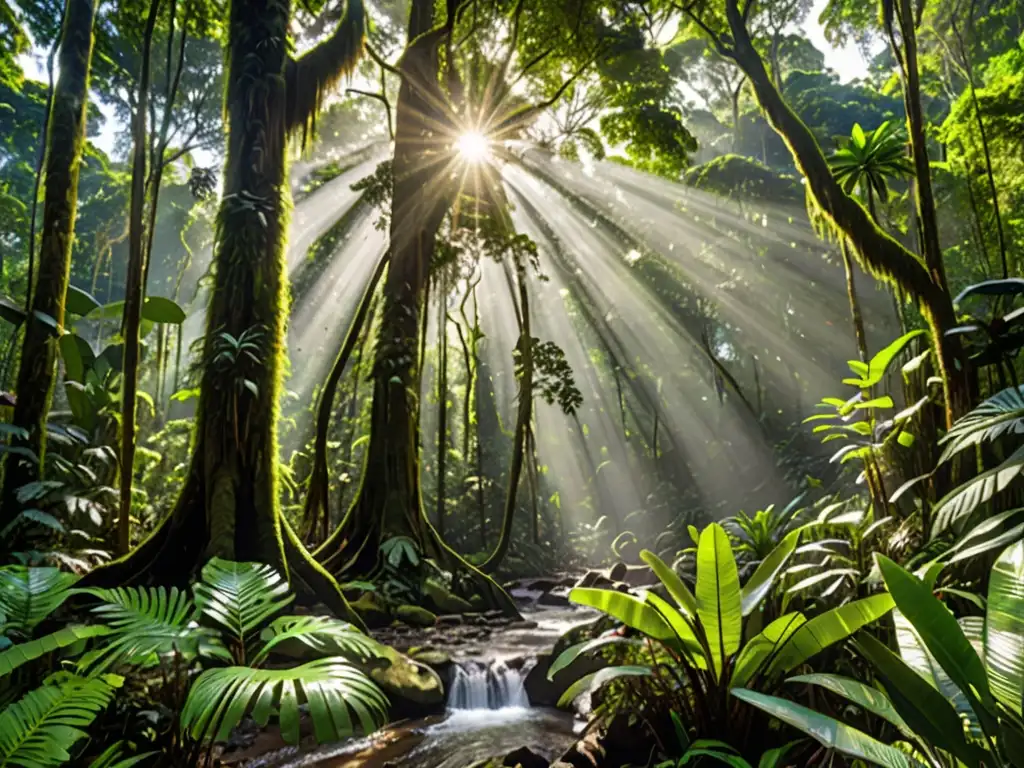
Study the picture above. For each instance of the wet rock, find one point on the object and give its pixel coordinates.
(492, 615)
(442, 599)
(594, 579)
(449, 620)
(372, 611)
(524, 757)
(415, 616)
(617, 744)
(545, 693)
(618, 571)
(525, 624)
(620, 587)
(640, 576)
(557, 599)
(413, 688)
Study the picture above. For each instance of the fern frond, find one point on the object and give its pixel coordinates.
(147, 623)
(22, 653)
(29, 595)
(39, 730)
(220, 698)
(241, 598)
(322, 634)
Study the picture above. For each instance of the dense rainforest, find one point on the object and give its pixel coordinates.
(538, 383)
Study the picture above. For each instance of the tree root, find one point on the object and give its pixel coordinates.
(314, 578)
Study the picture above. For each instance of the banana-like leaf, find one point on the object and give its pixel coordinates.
(719, 602)
(1002, 414)
(39, 730)
(864, 696)
(241, 597)
(759, 651)
(630, 610)
(826, 629)
(922, 706)
(323, 634)
(595, 680)
(573, 652)
(963, 500)
(29, 595)
(220, 698)
(828, 731)
(692, 647)
(147, 623)
(1004, 628)
(940, 634)
(763, 579)
(676, 587)
(22, 653)
(976, 541)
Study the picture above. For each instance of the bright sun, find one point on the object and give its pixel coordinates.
(473, 146)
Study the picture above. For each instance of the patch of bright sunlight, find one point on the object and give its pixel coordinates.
(473, 146)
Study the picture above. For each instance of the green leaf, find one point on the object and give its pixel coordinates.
(1004, 628)
(719, 602)
(220, 698)
(880, 363)
(1002, 414)
(924, 708)
(826, 629)
(595, 680)
(828, 731)
(161, 310)
(241, 597)
(22, 653)
(78, 302)
(630, 610)
(761, 648)
(573, 652)
(963, 500)
(322, 634)
(29, 595)
(40, 729)
(676, 587)
(939, 631)
(864, 696)
(77, 355)
(11, 312)
(763, 579)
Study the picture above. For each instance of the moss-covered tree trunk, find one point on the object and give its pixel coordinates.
(879, 253)
(64, 143)
(229, 506)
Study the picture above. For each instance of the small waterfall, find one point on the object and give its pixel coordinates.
(486, 686)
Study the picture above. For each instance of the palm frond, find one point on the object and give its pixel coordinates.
(29, 595)
(1000, 415)
(322, 634)
(331, 687)
(39, 730)
(148, 623)
(966, 498)
(241, 598)
(22, 653)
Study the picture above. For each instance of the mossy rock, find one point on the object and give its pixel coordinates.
(371, 610)
(443, 599)
(413, 688)
(415, 616)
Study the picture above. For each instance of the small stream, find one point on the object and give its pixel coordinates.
(488, 713)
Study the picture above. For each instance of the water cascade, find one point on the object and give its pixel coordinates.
(476, 685)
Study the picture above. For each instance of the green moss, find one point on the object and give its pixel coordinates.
(415, 616)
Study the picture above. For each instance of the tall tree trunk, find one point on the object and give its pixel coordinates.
(229, 505)
(64, 143)
(524, 414)
(442, 404)
(134, 290)
(855, 315)
(879, 254)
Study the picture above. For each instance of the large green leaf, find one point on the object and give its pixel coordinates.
(864, 696)
(676, 587)
(39, 730)
(79, 302)
(148, 623)
(241, 598)
(827, 629)
(22, 653)
(573, 652)
(719, 603)
(1004, 628)
(630, 610)
(964, 499)
(331, 688)
(763, 579)
(77, 355)
(158, 309)
(29, 595)
(689, 643)
(925, 710)
(321, 634)
(879, 364)
(595, 680)
(1000, 415)
(759, 651)
(828, 731)
(939, 631)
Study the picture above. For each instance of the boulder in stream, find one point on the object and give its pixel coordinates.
(524, 757)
